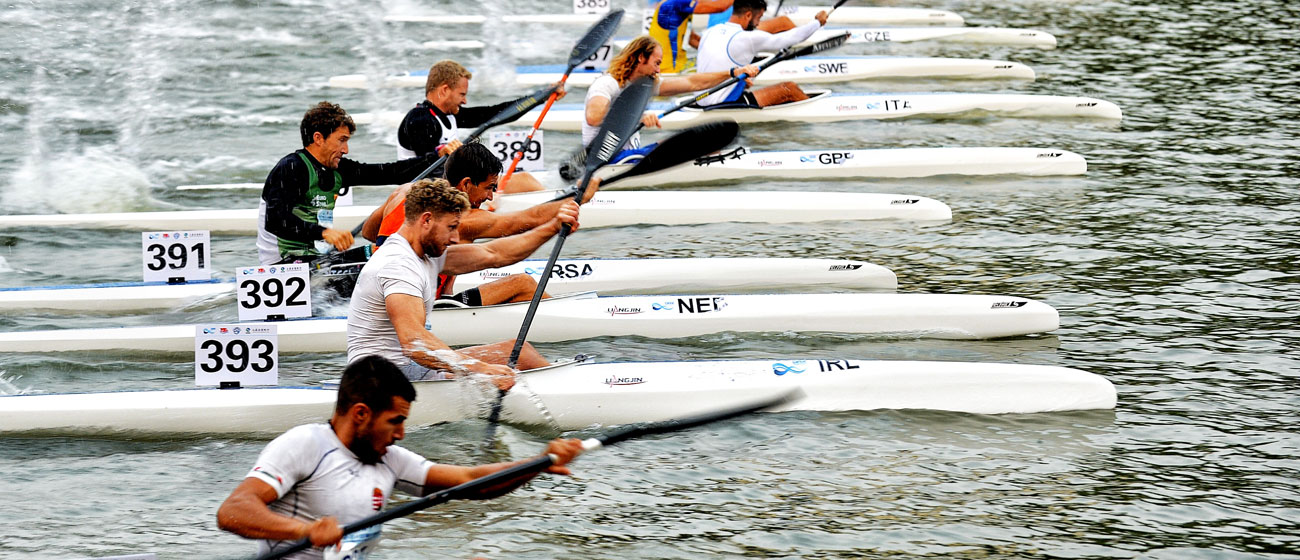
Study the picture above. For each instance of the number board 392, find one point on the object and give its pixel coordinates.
(263, 291)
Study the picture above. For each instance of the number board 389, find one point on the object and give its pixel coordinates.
(248, 354)
(281, 291)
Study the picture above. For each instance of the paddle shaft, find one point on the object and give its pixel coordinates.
(519, 155)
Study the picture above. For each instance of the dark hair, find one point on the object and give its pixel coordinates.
(436, 196)
(372, 380)
(325, 118)
(472, 160)
(740, 6)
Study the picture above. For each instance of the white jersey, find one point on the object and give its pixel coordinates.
(314, 475)
(604, 86)
(394, 269)
(726, 46)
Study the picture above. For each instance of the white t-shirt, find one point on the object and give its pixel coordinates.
(314, 475)
(394, 269)
(726, 46)
(604, 86)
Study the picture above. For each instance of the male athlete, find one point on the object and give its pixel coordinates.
(473, 169)
(740, 39)
(398, 285)
(315, 478)
(670, 26)
(433, 125)
(297, 206)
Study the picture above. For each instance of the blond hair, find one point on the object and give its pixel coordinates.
(436, 196)
(620, 68)
(445, 72)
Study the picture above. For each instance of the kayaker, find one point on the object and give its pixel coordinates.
(432, 126)
(740, 40)
(643, 57)
(296, 212)
(397, 287)
(473, 170)
(315, 478)
(670, 25)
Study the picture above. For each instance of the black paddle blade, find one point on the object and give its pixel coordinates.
(620, 122)
(595, 38)
(520, 106)
(699, 420)
(682, 147)
(819, 46)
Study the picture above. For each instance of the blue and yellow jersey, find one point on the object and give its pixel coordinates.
(670, 27)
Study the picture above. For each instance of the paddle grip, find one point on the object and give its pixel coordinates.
(519, 155)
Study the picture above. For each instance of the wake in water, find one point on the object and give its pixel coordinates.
(7, 386)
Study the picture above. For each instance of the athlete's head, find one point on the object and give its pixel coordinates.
(750, 12)
(433, 211)
(447, 86)
(375, 399)
(641, 57)
(473, 169)
(326, 129)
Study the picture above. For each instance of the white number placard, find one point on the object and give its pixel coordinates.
(590, 6)
(599, 61)
(506, 143)
(266, 290)
(176, 254)
(248, 354)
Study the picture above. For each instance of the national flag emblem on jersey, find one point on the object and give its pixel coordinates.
(379, 499)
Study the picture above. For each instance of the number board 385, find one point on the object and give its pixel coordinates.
(248, 354)
(171, 255)
(281, 290)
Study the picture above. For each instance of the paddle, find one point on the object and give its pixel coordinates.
(473, 487)
(785, 54)
(624, 114)
(590, 43)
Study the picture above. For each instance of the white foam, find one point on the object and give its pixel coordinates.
(95, 180)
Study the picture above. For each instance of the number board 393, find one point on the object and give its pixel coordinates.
(248, 354)
(185, 255)
(263, 291)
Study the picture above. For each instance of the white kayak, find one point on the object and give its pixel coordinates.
(849, 15)
(580, 316)
(807, 70)
(1002, 36)
(606, 209)
(830, 164)
(824, 106)
(619, 276)
(852, 164)
(576, 396)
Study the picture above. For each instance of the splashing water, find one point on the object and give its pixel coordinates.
(7, 386)
(101, 181)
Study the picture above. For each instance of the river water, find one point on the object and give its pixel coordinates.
(1173, 263)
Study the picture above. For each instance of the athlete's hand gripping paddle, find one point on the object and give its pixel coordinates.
(590, 43)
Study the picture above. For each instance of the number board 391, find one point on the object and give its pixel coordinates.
(168, 255)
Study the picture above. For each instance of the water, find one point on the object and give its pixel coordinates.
(1173, 264)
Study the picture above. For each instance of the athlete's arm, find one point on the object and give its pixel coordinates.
(441, 477)
(479, 224)
(244, 513)
(286, 187)
(406, 312)
(370, 229)
(392, 173)
(420, 132)
(764, 41)
(703, 80)
(472, 257)
(596, 109)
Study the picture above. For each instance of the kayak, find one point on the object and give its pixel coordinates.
(574, 396)
(806, 70)
(851, 164)
(583, 315)
(1002, 36)
(844, 16)
(606, 209)
(824, 106)
(621, 276)
(742, 163)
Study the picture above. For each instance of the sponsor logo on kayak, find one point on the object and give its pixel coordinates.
(616, 310)
(1001, 66)
(770, 163)
(828, 68)
(1051, 154)
(493, 274)
(845, 266)
(666, 306)
(839, 365)
(701, 304)
(897, 104)
(615, 380)
(569, 270)
(842, 108)
(1008, 304)
(797, 366)
(873, 36)
(834, 158)
(905, 201)
(1088, 104)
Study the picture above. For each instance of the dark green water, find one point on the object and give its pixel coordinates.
(1173, 264)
